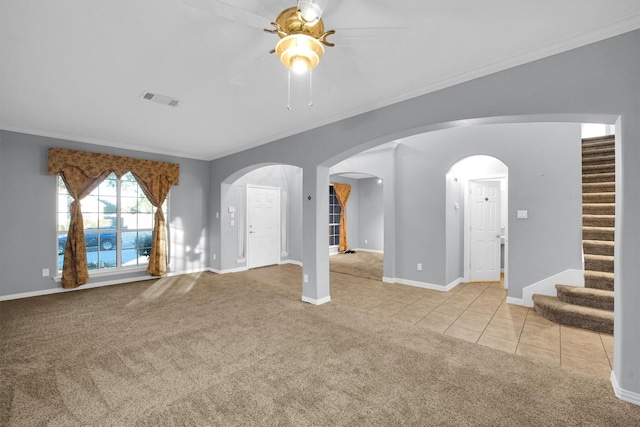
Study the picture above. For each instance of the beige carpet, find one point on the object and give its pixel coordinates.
(360, 264)
(241, 349)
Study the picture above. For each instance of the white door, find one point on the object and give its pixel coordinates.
(263, 226)
(485, 231)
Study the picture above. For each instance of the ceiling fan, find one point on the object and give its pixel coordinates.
(301, 31)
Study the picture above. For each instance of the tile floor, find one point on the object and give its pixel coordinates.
(478, 312)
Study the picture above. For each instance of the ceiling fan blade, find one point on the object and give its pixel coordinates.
(312, 9)
(378, 38)
(230, 12)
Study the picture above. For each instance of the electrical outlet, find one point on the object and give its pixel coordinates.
(306, 278)
(365, 241)
(214, 257)
(419, 267)
(45, 272)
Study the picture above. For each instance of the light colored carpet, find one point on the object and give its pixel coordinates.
(241, 349)
(360, 264)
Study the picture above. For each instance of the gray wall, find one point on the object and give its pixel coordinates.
(371, 218)
(597, 83)
(546, 184)
(28, 212)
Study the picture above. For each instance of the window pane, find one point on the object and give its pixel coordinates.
(145, 221)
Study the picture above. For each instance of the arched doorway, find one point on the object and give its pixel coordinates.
(476, 219)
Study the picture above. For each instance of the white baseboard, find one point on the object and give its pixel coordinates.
(627, 396)
(375, 251)
(291, 261)
(424, 285)
(316, 301)
(515, 301)
(547, 286)
(100, 284)
(229, 270)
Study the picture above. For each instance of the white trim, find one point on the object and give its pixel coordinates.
(627, 396)
(121, 281)
(291, 261)
(229, 270)
(547, 286)
(515, 301)
(423, 285)
(374, 251)
(316, 301)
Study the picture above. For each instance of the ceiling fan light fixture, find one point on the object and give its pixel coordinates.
(311, 10)
(299, 52)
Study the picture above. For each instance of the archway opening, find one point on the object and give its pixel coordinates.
(476, 219)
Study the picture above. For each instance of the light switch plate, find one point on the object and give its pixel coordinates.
(522, 214)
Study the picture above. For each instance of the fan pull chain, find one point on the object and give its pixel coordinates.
(289, 92)
(310, 91)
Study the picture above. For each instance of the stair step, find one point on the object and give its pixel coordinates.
(598, 247)
(598, 280)
(598, 208)
(599, 140)
(598, 198)
(574, 315)
(598, 151)
(599, 187)
(598, 233)
(587, 297)
(599, 160)
(599, 168)
(599, 177)
(599, 220)
(598, 263)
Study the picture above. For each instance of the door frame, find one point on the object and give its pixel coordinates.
(503, 178)
(247, 221)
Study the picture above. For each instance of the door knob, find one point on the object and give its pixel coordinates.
(498, 236)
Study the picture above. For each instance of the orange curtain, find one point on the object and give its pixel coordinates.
(342, 194)
(156, 190)
(76, 272)
(82, 172)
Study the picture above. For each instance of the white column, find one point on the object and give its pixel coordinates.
(315, 235)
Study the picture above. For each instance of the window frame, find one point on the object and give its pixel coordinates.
(334, 213)
(119, 229)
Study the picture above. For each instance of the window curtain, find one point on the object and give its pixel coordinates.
(342, 193)
(82, 172)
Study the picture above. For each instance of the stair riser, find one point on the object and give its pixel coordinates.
(598, 160)
(599, 209)
(598, 283)
(598, 265)
(598, 221)
(578, 322)
(598, 197)
(600, 187)
(601, 303)
(600, 168)
(598, 235)
(597, 153)
(598, 177)
(597, 249)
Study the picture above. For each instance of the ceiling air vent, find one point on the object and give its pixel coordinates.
(160, 99)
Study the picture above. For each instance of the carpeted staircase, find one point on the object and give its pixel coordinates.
(591, 307)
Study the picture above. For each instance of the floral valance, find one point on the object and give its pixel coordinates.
(95, 164)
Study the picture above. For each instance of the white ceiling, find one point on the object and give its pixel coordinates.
(75, 69)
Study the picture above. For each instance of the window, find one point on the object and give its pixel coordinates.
(334, 218)
(118, 223)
